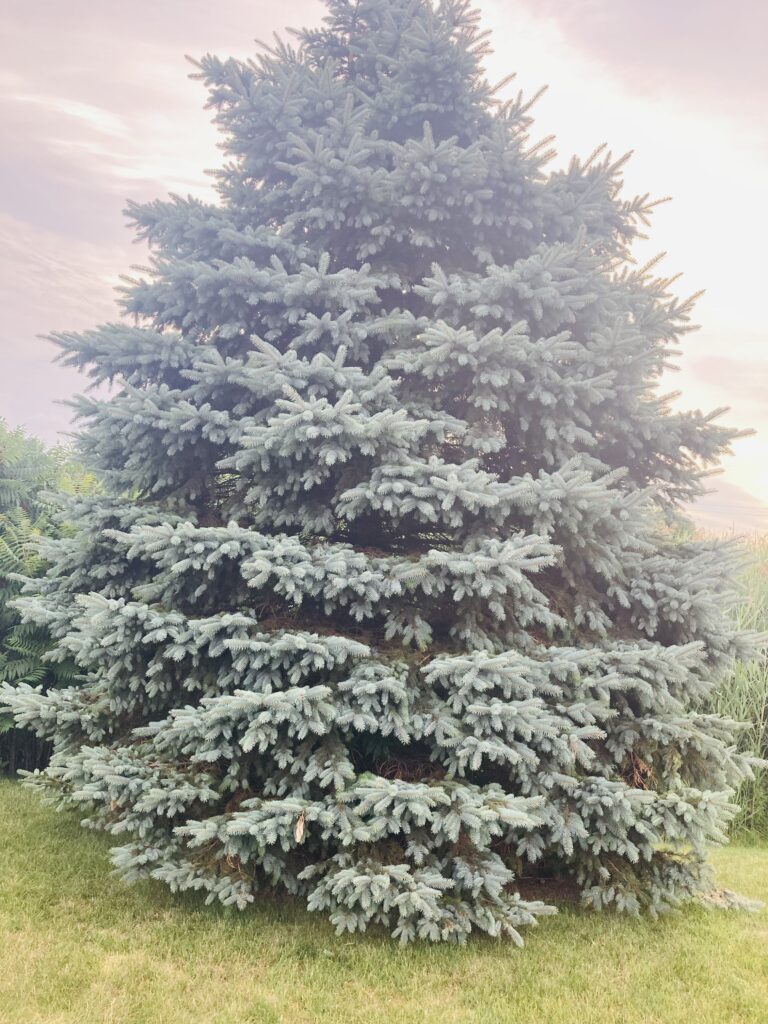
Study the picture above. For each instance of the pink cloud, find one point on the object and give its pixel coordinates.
(708, 50)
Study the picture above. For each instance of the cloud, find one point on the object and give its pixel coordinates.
(101, 121)
(729, 509)
(740, 373)
(96, 107)
(49, 282)
(708, 52)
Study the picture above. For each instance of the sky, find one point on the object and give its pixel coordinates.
(96, 106)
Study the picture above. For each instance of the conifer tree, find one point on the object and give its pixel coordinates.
(378, 609)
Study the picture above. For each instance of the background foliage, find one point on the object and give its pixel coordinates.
(30, 477)
(743, 695)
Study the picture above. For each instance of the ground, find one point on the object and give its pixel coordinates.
(77, 945)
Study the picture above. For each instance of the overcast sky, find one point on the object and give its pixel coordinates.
(96, 106)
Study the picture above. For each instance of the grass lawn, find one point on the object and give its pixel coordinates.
(76, 945)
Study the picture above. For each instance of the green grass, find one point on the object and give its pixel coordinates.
(76, 945)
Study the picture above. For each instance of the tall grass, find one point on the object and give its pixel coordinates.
(743, 695)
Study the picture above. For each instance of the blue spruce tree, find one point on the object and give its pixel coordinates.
(377, 609)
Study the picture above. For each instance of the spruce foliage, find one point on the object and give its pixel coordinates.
(377, 609)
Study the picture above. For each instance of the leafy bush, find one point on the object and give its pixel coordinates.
(29, 474)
